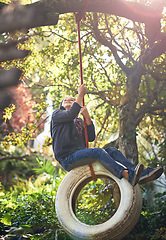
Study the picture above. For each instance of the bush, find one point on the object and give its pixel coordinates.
(28, 209)
(30, 213)
(151, 224)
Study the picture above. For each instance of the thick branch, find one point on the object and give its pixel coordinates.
(45, 12)
(13, 157)
(10, 77)
(25, 17)
(5, 99)
(158, 49)
(9, 52)
(131, 10)
(157, 107)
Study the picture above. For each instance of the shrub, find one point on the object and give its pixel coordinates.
(28, 209)
(30, 213)
(151, 224)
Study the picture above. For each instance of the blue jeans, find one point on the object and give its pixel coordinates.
(111, 158)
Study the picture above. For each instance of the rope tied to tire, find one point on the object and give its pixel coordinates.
(78, 17)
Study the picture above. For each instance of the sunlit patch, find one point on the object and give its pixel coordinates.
(141, 9)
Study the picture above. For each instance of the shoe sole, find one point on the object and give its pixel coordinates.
(151, 176)
(139, 170)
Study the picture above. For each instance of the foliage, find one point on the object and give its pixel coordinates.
(53, 68)
(151, 144)
(97, 202)
(8, 112)
(18, 165)
(28, 209)
(154, 217)
(23, 104)
(25, 117)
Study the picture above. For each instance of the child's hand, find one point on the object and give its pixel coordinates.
(85, 114)
(82, 89)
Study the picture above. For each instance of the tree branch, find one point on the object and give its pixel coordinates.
(128, 54)
(146, 107)
(108, 44)
(157, 50)
(45, 12)
(157, 107)
(18, 17)
(14, 157)
(9, 52)
(9, 77)
(131, 10)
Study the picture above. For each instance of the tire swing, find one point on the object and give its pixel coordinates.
(129, 205)
(128, 199)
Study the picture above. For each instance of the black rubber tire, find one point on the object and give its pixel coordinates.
(118, 226)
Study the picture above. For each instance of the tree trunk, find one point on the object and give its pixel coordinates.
(127, 133)
(127, 115)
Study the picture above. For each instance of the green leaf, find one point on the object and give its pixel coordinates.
(27, 228)
(6, 219)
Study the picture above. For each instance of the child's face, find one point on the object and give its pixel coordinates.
(67, 102)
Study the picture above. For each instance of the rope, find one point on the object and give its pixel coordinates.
(81, 15)
(78, 17)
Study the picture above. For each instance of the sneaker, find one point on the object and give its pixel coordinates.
(135, 175)
(150, 174)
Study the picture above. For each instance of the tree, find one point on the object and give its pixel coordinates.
(144, 83)
(139, 68)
